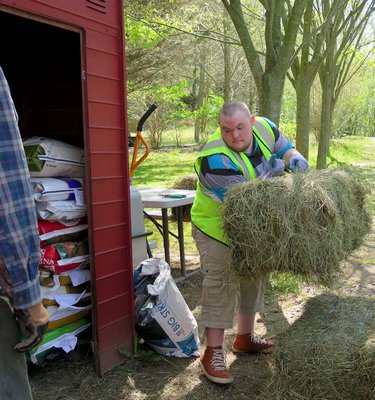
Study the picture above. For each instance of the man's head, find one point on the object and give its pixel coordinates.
(236, 124)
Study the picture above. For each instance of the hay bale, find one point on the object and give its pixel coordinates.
(187, 182)
(302, 223)
(329, 353)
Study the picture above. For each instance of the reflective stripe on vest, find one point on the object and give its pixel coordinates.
(264, 133)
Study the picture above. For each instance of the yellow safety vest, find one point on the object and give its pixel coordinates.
(206, 209)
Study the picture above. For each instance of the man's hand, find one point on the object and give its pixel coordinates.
(33, 324)
(272, 167)
(298, 162)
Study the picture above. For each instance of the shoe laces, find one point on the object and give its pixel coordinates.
(258, 340)
(218, 360)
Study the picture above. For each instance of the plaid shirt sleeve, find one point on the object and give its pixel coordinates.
(19, 240)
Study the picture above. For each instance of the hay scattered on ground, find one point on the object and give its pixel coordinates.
(187, 182)
(329, 353)
(304, 223)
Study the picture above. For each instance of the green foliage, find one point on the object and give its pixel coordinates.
(355, 110)
(139, 34)
(288, 128)
(172, 99)
(210, 110)
(170, 112)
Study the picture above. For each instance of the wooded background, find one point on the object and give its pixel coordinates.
(308, 65)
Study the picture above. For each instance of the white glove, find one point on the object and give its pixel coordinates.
(297, 162)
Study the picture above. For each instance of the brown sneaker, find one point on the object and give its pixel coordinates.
(212, 361)
(251, 343)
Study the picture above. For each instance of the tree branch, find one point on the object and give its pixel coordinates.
(192, 33)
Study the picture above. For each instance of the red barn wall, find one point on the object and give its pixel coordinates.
(100, 25)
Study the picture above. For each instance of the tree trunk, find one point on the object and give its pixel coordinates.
(303, 120)
(252, 102)
(270, 97)
(200, 97)
(326, 119)
(280, 47)
(227, 60)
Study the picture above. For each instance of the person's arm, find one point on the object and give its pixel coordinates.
(219, 173)
(19, 239)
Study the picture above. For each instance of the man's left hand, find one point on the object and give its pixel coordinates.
(298, 162)
(33, 325)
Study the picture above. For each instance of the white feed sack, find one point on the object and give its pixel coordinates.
(52, 158)
(50, 189)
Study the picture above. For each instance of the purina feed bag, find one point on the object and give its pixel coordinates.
(53, 158)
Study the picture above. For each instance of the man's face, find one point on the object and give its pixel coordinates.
(237, 131)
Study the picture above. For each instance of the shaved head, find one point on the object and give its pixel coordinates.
(230, 108)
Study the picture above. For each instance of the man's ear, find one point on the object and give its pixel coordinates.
(252, 120)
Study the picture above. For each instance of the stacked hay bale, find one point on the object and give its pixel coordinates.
(303, 223)
(329, 353)
(186, 182)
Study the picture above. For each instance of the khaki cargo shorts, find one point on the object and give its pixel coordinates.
(223, 295)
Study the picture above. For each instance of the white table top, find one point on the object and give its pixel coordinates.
(151, 197)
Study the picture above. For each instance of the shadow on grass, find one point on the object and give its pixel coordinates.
(328, 353)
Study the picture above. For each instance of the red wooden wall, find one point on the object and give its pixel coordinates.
(100, 25)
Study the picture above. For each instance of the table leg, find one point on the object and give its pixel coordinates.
(164, 217)
(180, 230)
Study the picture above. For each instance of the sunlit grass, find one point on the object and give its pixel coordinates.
(350, 150)
(163, 168)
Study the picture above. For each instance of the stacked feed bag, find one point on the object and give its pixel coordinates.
(64, 338)
(57, 171)
(48, 157)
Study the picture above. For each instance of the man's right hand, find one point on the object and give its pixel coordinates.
(33, 324)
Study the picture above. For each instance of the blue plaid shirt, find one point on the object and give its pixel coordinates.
(19, 240)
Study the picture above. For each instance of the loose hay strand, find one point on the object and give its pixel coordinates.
(303, 223)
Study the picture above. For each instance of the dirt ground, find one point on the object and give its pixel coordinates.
(146, 376)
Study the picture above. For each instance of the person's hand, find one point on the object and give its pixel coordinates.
(272, 167)
(33, 324)
(297, 162)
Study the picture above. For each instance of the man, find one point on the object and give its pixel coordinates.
(244, 148)
(20, 293)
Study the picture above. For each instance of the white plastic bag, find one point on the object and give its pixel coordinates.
(164, 320)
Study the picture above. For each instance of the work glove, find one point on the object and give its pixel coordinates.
(33, 324)
(272, 167)
(297, 162)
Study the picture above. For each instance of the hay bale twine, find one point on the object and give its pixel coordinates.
(328, 353)
(187, 182)
(304, 223)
